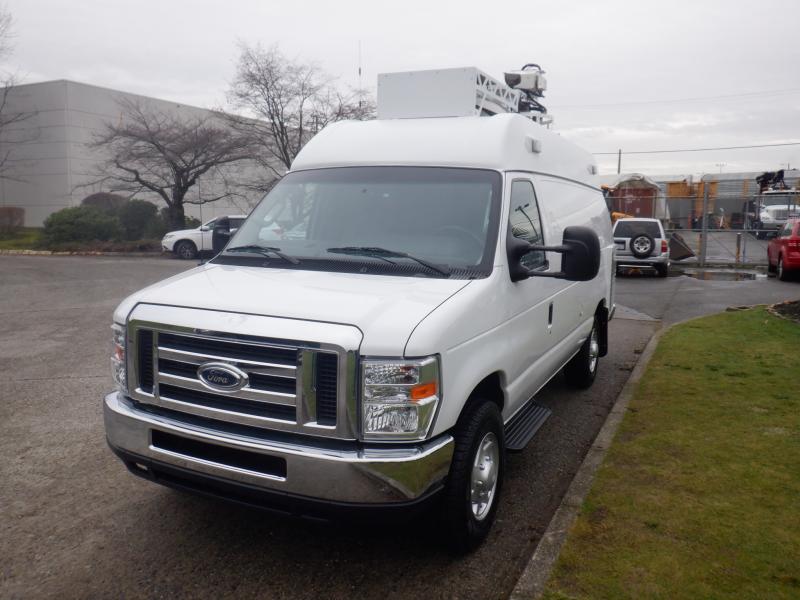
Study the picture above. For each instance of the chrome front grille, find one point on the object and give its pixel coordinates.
(271, 391)
(290, 386)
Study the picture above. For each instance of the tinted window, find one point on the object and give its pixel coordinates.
(445, 216)
(236, 223)
(526, 223)
(629, 229)
(786, 231)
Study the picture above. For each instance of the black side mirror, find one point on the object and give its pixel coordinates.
(581, 250)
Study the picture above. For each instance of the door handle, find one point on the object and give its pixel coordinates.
(550, 315)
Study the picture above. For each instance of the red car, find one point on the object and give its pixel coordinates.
(783, 252)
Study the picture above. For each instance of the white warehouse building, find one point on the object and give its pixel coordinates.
(49, 159)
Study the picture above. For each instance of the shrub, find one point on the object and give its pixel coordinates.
(11, 218)
(105, 201)
(188, 222)
(136, 217)
(81, 224)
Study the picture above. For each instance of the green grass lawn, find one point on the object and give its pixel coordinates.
(27, 238)
(699, 494)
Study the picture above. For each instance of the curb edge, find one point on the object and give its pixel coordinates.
(534, 577)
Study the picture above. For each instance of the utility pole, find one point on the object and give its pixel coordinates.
(720, 165)
(619, 161)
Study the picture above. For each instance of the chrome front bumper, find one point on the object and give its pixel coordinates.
(348, 473)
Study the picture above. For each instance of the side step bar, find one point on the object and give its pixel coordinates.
(524, 425)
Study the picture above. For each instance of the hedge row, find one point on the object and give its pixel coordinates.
(106, 217)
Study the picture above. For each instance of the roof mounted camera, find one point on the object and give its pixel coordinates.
(531, 82)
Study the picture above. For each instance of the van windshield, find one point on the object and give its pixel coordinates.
(354, 218)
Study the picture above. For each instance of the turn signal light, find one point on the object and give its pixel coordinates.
(425, 390)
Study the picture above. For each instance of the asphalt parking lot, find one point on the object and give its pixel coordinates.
(76, 524)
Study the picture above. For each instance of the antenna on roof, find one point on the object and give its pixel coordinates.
(360, 86)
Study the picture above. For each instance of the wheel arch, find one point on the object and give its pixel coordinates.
(488, 389)
(181, 241)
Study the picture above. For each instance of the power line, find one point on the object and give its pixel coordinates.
(679, 100)
(699, 149)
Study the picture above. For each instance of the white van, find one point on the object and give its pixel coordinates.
(433, 275)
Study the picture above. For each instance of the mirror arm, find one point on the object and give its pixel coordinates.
(561, 249)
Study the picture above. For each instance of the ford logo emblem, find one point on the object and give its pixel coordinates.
(221, 377)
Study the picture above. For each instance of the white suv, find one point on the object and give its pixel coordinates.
(187, 243)
(641, 243)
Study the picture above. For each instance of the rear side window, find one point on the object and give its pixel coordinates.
(629, 229)
(526, 223)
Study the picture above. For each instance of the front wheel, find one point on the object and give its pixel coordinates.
(185, 250)
(582, 369)
(476, 473)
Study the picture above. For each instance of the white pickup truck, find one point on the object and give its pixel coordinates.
(429, 277)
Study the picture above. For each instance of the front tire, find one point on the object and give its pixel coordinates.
(582, 369)
(185, 250)
(472, 492)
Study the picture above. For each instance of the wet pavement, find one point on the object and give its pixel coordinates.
(76, 524)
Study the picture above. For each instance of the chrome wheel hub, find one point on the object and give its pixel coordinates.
(641, 244)
(485, 470)
(594, 350)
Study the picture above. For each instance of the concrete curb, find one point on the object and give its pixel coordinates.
(534, 577)
(77, 253)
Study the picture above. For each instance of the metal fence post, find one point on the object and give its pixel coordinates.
(744, 246)
(738, 249)
(704, 230)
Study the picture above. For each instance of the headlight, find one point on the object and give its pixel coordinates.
(118, 371)
(766, 218)
(169, 235)
(399, 397)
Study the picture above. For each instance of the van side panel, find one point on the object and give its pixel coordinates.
(567, 203)
(486, 329)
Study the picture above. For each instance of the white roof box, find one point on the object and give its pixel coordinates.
(461, 92)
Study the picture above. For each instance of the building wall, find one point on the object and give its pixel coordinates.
(51, 161)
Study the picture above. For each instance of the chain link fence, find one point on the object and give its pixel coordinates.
(728, 229)
(723, 246)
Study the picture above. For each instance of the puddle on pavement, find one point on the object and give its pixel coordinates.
(719, 274)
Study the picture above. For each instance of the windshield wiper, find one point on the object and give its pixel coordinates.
(384, 253)
(264, 251)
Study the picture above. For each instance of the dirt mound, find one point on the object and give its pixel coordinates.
(788, 310)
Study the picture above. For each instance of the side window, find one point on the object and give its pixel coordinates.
(236, 223)
(526, 223)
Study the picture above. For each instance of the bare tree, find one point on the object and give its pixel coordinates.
(8, 136)
(284, 104)
(166, 153)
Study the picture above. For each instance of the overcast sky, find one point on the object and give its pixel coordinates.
(620, 73)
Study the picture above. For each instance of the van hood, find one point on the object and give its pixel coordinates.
(385, 308)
